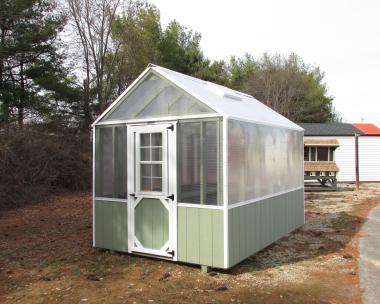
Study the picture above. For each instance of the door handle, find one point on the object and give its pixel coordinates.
(132, 194)
(171, 197)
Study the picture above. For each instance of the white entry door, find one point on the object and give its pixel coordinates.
(152, 211)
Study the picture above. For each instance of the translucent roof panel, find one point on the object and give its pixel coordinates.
(156, 97)
(226, 101)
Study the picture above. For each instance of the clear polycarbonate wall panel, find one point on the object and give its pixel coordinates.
(156, 97)
(104, 163)
(189, 162)
(262, 160)
(120, 164)
(198, 162)
(210, 154)
(111, 162)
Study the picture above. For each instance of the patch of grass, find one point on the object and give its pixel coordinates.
(76, 273)
(54, 264)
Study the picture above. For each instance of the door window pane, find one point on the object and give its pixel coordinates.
(156, 139)
(156, 170)
(146, 184)
(156, 154)
(146, 170)
(150, 154)
(144, 154)
(145, 140)
(156, 184)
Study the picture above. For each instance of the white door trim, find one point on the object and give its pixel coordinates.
(169, 185)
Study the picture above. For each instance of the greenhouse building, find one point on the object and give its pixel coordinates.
(191, 171)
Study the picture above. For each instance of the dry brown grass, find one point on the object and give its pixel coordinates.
(46, 256)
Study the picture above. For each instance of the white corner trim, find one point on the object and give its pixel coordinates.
(225, 190)
(263, 197)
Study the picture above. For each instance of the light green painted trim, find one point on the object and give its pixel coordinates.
(111, 225)
(200, 236)
(254, 226)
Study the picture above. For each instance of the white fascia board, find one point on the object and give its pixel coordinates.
(180, 85)
(258, 122)
(158, 119)
(112, 105)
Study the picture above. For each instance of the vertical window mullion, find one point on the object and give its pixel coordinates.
(328, 153)
(316, 153)
(309, 153)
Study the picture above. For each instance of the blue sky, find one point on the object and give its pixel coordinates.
(341, 37)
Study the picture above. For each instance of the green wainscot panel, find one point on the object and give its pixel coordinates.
(200, 236)
(254, 226)
(111, 225)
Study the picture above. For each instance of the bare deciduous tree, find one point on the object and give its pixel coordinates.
(92, 21)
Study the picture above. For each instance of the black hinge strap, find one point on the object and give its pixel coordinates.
(171, 252)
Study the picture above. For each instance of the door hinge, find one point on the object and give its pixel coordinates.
(171, 197)
(171, 128)
(171, 253)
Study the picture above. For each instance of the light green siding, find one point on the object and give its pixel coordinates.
(151, 223)
(111, 225)
(254, 226)
(200, 236)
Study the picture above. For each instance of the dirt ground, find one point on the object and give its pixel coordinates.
(46, 256)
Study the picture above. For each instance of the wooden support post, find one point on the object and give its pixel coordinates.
(357, 161)
(205, 268)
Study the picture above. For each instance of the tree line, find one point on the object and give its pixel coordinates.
(63, 62)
